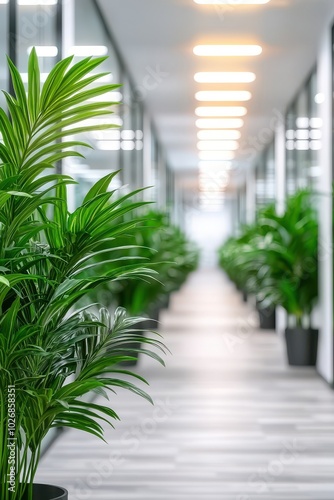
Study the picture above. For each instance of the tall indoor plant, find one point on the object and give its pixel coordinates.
(51, 352)
(289, 275)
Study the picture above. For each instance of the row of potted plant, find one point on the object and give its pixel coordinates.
(166, 251)
(276, 259)
(54, 349)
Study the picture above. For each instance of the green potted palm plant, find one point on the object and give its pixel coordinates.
(53, 353)
(290, 273)
(243, 263)
(166, 250)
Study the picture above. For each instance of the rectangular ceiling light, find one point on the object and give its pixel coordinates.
(227, 50)
(228, 2)
(218, 135)
(3, 2)
(223, 95)
(219, 123)
(221, 111)
(216, 155)
(225, 77)
(89, 50)
(108, 145)
(45, 50)
(217, 145)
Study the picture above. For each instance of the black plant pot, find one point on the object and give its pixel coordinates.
(47, 492)
(302, 346)
(267, 316)
(154, 313)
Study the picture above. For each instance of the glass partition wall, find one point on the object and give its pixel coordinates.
(40, 24)
(303, 138)
(265, 177)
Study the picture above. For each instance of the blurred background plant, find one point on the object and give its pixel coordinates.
(276, 259)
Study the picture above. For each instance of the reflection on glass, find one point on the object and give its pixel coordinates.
(303, 137)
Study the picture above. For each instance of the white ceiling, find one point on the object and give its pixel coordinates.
(159, 35)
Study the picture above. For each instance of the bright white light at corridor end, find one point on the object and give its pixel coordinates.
(214, 165)
(89, 50)
(223, 95)
(231, 3)
(219, 123)
(227, 50)
(216, 155)
(225, 77)
(221, 111)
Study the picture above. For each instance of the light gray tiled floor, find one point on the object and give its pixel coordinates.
(231, 420)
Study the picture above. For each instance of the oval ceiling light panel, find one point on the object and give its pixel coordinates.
(44, 50)
(221, 111)
(225, 77)
(217, 145)
(216, 155)
(227, 50)
(223, 95)
(219, 123)
(218, 135)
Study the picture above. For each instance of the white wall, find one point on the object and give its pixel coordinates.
(209, 230)
(325, 354)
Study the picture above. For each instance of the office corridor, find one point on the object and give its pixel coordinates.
(231, 420)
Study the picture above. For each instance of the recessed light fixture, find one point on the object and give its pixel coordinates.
(89, 50)
(227, 50)
(223, 95)
(45, 50)
(217, 145)
(107, 135)
(128, 145)
(216, 155)
(221, 111)
(225, 77)
(219, 123)
(108, 145)
(232, 4)
(3, 2)
(128, 135)
(218, 135)
(319, 98)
